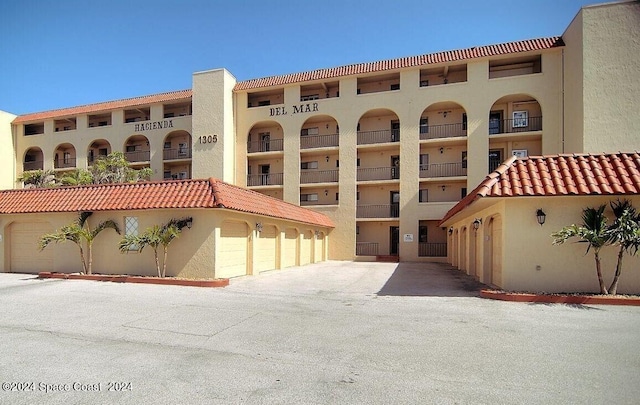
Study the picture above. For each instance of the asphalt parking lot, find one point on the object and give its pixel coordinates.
(337, 332)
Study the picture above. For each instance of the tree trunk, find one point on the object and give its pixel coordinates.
(155, 254)
(90, 253)
(84, 263)
(603, 288)
(614, 285)
(164, 263)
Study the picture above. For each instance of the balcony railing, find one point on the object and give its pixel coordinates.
(510, 126)
(381, 136)
(173, 154)
(319, 176)
(265, 146)
(443, 131)
(35, 165)
(272, 179)
(378, 211)
(426, 249)
(379, 173)
(366, 249)
(64, 163)
(138, 156)
(442, 170)
(318, 141)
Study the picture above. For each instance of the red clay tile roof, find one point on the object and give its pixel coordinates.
(208, 193)
(558, 175)
(105, 106)
(407, 62)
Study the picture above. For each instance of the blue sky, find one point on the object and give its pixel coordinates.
(56, 54)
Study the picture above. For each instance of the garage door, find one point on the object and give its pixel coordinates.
(233, 250)
(265, 258)
(318, 248)
(305, 248)
(290, 247)
(24, 254)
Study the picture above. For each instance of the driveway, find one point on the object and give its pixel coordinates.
(337, 332)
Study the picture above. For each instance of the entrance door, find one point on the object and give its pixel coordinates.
(394, 238)
(264, 175)
(265, 139)
(495, 158)
(495, 122)
(395, 167)
(395, 131)
(394, 200)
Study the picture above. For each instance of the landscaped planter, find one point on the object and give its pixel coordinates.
(222, 282)
(560, 299)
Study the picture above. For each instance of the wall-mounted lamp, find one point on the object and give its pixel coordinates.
(259, 226)
(327, 158)
(441, 150)
(317, 234)
(327, 124)
(444, 113)
(450, 230)
(189, 222)
(326, 192)
(476, 223)
(444, 187)
(541, 216)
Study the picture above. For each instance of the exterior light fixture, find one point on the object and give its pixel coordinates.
(444, 187)
(317, 234)
(327, 158)
(189, 222)
(541, 216)
(326, 192)
(259, 226)
(476, 223)
(441, 150)
(450, 230)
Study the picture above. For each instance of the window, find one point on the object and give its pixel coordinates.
(102, 152)
(308, 197)
(337, 163)
(133, 148)
(424, 83)
(424, 161)
(66, 157)
(358, 195)
(357, 229)
(309, 131)
(182, 149)
(395, 86)
(520, 119)
(337, 195)
(463, 192)
(464, 159)
(309, 97)
(264, 102)
(520, 153)
(167, 175)
(131, 229)
(423, 195)
(309, 165)
(422, 234)
(167, 145)
(424, 125)
(464, 121)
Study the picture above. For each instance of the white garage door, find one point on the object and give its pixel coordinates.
(25, 257)
(290, 247)
(233, 250)
(265, 258)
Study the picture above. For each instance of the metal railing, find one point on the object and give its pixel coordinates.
(172, 154)
(426, 249)
(378, 211)
(138, 156)
(366, 249)
(35, 165)
(442, 170)
(271, 179)
(319, 176)
(64, 163)
(509, 126)
(265, 146)
(378, 173)
(319, 141)
(442, 131)
(381, 136)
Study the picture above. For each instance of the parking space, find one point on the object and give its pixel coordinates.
(336, 332)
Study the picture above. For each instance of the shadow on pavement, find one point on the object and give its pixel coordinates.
(430, 280)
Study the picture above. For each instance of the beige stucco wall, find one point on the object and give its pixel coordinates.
(7, 157)
(602, 90)
(529, 260)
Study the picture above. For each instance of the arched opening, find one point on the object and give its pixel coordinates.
(64, 156)
(97, 149)
(320, 131)
(265, 136)
(33, 159)
(137, 149)
(265, 163)
(378, 126)
(176, 154)
(443, 120)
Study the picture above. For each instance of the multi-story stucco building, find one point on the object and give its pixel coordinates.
(385, 149)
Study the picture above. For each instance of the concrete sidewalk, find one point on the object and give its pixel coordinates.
(336, 332)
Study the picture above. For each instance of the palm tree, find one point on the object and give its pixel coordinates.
(624, 232)
(155, 237)
(38, 178)
(80, 232)
(593, 231)
(76, 178)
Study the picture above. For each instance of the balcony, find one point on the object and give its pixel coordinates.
(319, 176)
(138, 156)
(64, 163)
(378, 173)
(380, 136)
(271, 179)
(366, 249)
(378, 211)
(426, 249)
(272, 145)
(174, 154)
(515, 125)
(34, 165)
(319, 141)
(442, 170)
(443, 131)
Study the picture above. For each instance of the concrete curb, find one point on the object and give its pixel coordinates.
(222, 282)
(558, 299)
